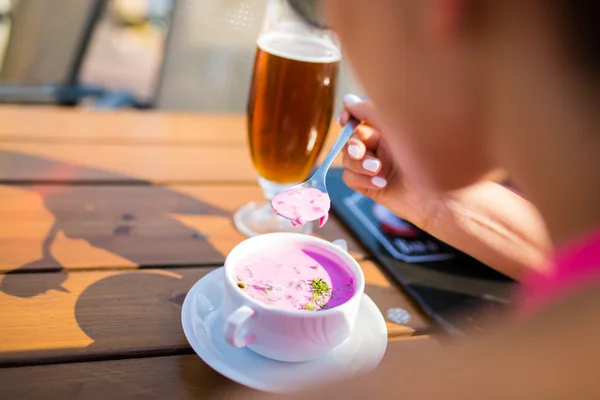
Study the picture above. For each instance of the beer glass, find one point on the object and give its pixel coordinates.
(290, 107)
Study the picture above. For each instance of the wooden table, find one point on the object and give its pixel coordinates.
(106, 221)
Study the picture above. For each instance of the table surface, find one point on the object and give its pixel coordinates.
(106, 221)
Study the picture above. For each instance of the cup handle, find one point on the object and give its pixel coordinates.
(341, 243)
(235, 335)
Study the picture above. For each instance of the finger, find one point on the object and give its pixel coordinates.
(361, 109)
(364, 139)
(344, 117)
(369, 165)
(345, 114)
(355, 148)
(368, 135)
(364, 112)
(360, 182)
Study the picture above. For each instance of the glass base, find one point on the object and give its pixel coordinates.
(258, 218)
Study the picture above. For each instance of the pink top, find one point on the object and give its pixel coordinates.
(572, 267)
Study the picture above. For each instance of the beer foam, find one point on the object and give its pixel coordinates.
(299, 48)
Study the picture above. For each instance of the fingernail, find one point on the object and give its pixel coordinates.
(339, 120)
(354, 151)
(378, 181)
(371, 164)
(351, 99)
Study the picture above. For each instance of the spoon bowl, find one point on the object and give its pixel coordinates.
(309, 201)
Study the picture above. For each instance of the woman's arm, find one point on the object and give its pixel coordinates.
(492, 224)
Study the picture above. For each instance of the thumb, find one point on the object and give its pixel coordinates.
(366, 132)
(362, 110)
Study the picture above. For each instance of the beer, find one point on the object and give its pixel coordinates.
(291, 104)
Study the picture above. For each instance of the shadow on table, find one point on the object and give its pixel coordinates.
(82, 208)
(128, 304)
(121, 322)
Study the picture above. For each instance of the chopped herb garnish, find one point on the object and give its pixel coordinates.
(319, 286)
(242, 285)
(260, 288)
(274, 288)
(320, 292)
(310, 307)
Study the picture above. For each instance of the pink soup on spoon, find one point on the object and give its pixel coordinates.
(302, 205)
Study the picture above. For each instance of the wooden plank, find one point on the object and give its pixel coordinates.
(122, 163)
(52, 162)
(85, 226)
(47, 144)
(176, 377)
(42, 124)
(86, 315)
(61, 125)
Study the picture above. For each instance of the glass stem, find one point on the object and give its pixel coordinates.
(272, 189)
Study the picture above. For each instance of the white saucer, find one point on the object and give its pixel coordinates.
(203, 326)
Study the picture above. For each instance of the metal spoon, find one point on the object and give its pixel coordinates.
(318, 178)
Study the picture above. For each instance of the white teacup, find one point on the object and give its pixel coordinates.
(288, 335)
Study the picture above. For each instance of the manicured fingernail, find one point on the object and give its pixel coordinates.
(354, 151)
(378, 181)
(351, 99)
(371, 165)
(339, 120)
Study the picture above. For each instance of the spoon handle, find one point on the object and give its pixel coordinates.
(339, 144)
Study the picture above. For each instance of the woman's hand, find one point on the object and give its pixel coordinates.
(486, 220)
(370, 167)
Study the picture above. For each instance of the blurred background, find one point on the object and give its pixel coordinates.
(181, 55)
